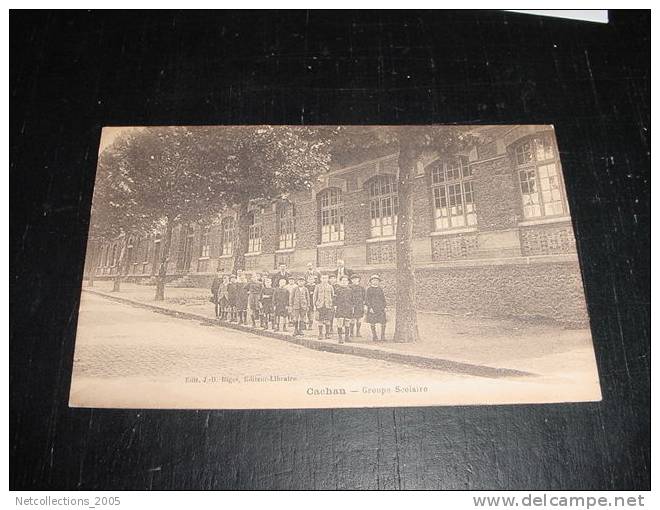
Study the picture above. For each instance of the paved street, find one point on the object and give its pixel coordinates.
(122, 341)
(538, 347)
(131, 357)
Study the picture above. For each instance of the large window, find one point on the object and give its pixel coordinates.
(287, 224)
(453, 194)
(539, 176)
(254, 232)
(103, 250)
(332, 216)
(227, 241)
(155, 266)
(114, 255)
(205, 246)
(383, 205)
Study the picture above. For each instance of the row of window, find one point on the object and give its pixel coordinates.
(110, 253)
(452, 187)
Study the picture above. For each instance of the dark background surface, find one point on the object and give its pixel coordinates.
(71, 73)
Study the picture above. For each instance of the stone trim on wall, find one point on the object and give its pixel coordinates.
(462, 246)
(327, 255)
(284, 257)
(547, 239)
(381, 253)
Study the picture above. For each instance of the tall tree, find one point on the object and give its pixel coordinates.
(154, 178)
(113, 211)
(160, 176)
(256, 164)
(414, 144)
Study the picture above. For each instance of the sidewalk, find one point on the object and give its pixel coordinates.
(471, 345)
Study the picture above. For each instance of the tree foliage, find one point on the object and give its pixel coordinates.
(414, 145)
(155, 177)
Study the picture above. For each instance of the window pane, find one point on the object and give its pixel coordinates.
(524, 153)
(467, 169)
(437, 174)
(544, 149)
(331, 218)
(383, 205)
(453, 171)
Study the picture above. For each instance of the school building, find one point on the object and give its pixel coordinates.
(492, 231)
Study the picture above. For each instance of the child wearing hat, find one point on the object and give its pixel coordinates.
(343, 308)
(375, 304)
(223, 299)
(242, 298)
(323, 300)
(290, 286)
(357, 299)
(232, 293)
(310, 283)
(332, 280)
(280, 305)
(266, 303)
(299, 301)
(254, 289)
(215, 286)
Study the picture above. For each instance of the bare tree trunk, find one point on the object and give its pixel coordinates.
(93, 262)
(241, 236)
(406, 304)
(116, 284)
(164, 259)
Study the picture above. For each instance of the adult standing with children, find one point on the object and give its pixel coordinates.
(375, 304)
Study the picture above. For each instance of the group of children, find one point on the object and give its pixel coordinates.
(280, 301)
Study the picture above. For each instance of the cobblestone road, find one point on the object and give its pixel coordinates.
(131, 357)
(117, 340)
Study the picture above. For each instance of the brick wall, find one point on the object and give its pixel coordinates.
(548, 291)
(496, 195)
(307, 229)
(269, 235)
(422, 207)
(356, 216)
(454, 247)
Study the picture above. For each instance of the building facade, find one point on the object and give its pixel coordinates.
(492, 231)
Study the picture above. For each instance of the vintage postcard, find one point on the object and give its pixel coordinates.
(256, 267)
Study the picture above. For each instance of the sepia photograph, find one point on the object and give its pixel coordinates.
(264, 267)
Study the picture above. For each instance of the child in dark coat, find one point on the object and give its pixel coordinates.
(375, 304)
(242, 299)
(343, 308)
(223, 301)
(311, 285)
(266, 304)
(332, 280)
(281, 305)
(254, 289)
(357, 297)
(215, 286)
(232, 294)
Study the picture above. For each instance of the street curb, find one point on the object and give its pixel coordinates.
(372, 352)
